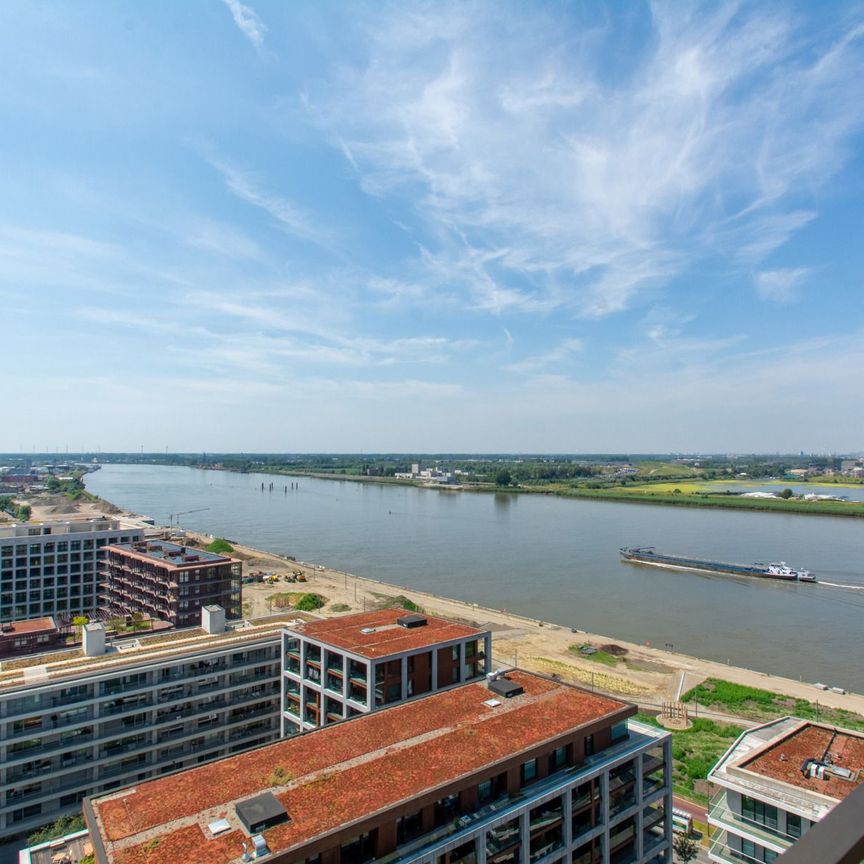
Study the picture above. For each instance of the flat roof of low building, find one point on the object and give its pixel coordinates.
(377, 634)
(172, 554)
(31, 625)
(768, 762)
(333, 777)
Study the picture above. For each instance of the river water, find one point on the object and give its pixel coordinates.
(550, 558)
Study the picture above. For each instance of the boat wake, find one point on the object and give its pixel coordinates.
(842, 585)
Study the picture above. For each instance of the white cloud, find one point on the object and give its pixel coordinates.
(244, 185)
(543, 184)
(781, 286)
(563, 353)
(248, 21)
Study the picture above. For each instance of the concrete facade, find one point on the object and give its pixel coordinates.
(52, 568)
(104, 721)
(765, 802)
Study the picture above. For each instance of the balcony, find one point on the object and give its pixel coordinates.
(720, 815)
(719, 850)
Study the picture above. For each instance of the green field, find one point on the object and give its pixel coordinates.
(695, 751)
(644, 494)
(763, 705)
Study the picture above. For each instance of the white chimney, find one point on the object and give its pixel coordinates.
(213, 619)
(94, 639)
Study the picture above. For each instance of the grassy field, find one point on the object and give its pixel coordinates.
(694, 753)
(719, 500)
(764, 705)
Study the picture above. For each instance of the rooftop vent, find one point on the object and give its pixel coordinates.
(506, 688)
(262, 811)
(410, 621)
(814, 769)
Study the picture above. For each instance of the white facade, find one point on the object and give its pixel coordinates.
(754, 818)
(132, 714)
(52, 568)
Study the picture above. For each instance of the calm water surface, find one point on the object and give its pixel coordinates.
(550, 558)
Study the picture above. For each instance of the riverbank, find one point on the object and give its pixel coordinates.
(684, 494)
(641, 673)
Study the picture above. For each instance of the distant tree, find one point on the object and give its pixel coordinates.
(503, 477)
(787, 494)
(685, 848)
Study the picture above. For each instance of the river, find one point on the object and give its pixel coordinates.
(550, 558)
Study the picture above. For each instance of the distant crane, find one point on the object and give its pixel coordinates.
(173, 516)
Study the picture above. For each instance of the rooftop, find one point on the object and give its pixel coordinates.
(73, 525)
(173, 554)
(769, 761)
(40, 669)
(340, 774)
(31, 625)
(376, 634)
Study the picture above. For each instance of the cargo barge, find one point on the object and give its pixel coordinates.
(649, 555)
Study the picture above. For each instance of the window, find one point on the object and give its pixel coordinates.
(529, 772)
(759, 812)
(487, 790)
(557, 759)
(589, 745)
(793, 824)
(357, 850)
(408, 827)
(757, 852)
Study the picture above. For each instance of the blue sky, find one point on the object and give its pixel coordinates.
(557, 227)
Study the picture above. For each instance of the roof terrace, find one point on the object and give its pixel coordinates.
(378, 634)
(340, 775)
(170, 553)
(805, 766)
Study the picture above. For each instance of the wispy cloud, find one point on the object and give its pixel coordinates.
(247, 187)
(562, 354)
(248, 21)
(543, 183)
(781, 286)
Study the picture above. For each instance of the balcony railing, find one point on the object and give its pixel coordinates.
(720, 814)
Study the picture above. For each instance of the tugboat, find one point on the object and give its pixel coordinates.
(649, 555)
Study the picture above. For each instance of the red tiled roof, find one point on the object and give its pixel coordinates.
(783, 759)
(341, 773)
(388, 638)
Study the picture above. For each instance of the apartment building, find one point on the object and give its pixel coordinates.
(521, 770)
(169, 582)
(29, 637)
(85, 722)
(775, 782)
(52, 568)
(341, 667)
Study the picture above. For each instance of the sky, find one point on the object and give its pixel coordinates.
(432, 227)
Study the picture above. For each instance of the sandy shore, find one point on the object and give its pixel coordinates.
(647, 675)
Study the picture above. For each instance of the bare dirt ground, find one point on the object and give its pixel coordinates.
(644, 674)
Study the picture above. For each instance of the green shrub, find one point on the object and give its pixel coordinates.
(309, 603)
(60, 828)
(220, 546)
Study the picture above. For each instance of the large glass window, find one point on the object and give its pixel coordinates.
(503, 842)
(358, 850)
(793, 824)
(759, 812)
